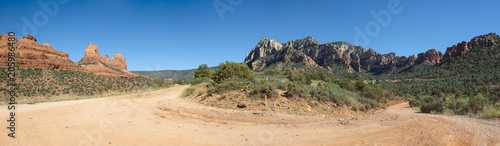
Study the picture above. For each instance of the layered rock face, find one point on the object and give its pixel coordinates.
(355, 58)
(264, 48)
(287, 55)
(315, 54)
(431, 56)
(31, 54)
(460, 49)
(103, 65)
(92, 55)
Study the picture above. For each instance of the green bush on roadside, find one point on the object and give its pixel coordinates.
(491, 111)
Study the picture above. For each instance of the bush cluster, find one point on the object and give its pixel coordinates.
(460, 106)
(296, 84)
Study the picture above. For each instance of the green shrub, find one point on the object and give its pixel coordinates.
(188, 92)
(180, 81)
(346, 84)
(264, 90)
(477, 103)
(298, 77)
(197, 81)
(432, 107)
(369, 102)
(360, 85)
(376, 93)
(297, 90)
(231, 70)
(271, 72)
(158, 83)
(491, 111)
(428, 104)
(202, 72)
(232, 84)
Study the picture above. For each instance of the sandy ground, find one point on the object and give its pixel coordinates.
(162, 118)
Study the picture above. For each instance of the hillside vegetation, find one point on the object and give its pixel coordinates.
(308, 86)
(39, 85)
(463, 85)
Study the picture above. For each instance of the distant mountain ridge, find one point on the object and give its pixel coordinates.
(174, 74)
(269, 52)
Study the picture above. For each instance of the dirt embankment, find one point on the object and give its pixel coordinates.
(162, 118)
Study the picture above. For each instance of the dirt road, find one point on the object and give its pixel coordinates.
(162, 118)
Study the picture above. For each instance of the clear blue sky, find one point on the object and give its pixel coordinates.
(182, 34)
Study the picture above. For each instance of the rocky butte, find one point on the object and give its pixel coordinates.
(103, 65)
(32, 54)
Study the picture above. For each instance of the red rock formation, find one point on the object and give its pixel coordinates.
(31, 54)
(102, 65)
(93, 56)
(118, 62)
(488, 40)
(459, 49)
(431, 56)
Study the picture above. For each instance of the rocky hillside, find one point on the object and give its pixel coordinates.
(31, 54)
(309, 52)
(44, 71)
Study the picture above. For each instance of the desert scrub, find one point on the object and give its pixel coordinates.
(230, 70)
(195, 90)
(491, 111)
(474, 105)
(263, 89)
(231, 84)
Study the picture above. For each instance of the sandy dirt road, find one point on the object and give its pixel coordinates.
(162, 118)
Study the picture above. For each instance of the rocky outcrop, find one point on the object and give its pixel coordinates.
(264, 48)
(459, 49)
(93, 56)
(290, 55)
(118, 62)
(354, 58)
(287, 56)
(103, 65)
(431, 57)
(462, 48)
(31, 54)
(303, 43)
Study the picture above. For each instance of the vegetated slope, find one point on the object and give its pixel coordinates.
(468, 69)
(277, 90)
(49, 83)
(469, 73)
(478, 71)
(46, 73)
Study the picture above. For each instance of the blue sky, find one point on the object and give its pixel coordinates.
(182, 34)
